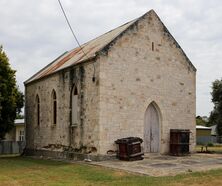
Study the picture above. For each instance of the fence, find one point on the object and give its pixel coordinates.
(204, 140)
(11, 147)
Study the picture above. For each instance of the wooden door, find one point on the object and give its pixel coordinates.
(151, 130)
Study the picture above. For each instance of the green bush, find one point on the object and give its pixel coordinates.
(210, 144)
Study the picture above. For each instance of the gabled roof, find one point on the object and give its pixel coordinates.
(91, 49)
(76, 55)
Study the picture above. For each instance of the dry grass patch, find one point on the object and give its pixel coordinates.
(213, 149)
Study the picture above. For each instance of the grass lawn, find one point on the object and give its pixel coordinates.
(26, 171)
(215, 149)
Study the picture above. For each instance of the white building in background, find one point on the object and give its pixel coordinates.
(18, 132)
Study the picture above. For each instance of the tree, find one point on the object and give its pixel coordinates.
(11, 99)
(200, 121)
(216, 115)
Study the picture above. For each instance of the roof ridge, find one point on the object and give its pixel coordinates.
(133, 22)
(83, 46)
(93, 48)
(86, 43)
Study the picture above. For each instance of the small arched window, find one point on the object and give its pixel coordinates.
(75, 91)
(54, 108)
(37, 110)
(75, 106)
(152, 46)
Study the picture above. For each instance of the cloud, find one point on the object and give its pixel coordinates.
(34, 33)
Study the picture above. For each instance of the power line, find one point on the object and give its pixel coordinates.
(71, 28)
(64, 13)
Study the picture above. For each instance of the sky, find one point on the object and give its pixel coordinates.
(33, 33)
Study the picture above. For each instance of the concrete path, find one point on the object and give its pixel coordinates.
(162, 165)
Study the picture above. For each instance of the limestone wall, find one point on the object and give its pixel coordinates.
(132, 75)
(85, 134)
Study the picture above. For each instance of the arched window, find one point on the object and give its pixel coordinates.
(75, 91)
(75, 106)
(37, 110)
(152, 46)
(54, 108)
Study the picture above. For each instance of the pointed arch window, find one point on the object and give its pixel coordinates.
(152, 46)
(75, 106)
(37, 110)
(54, 108)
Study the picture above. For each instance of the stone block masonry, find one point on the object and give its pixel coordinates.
(141, 66)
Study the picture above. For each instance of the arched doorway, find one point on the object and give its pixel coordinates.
(151, 129)
(74, 117)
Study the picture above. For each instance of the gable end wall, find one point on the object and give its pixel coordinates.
(132, 76)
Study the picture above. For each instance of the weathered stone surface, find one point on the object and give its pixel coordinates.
(86, 133)
(130, 74)
(163, 165)
(164, 77)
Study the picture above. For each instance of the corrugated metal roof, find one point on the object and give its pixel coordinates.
(76, 55)
(90, 48)
(19, 122)
(202, 127)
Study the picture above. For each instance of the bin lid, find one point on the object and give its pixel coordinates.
(128, 140)
(180, 130)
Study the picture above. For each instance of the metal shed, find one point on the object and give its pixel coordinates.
(203, 135)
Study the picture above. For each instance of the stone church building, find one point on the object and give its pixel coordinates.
(134, 80)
